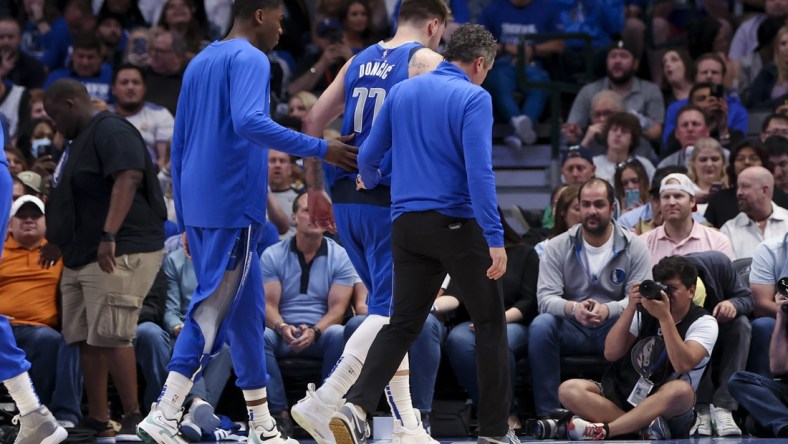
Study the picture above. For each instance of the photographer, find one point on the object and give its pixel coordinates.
(767, 399)
(672, 339)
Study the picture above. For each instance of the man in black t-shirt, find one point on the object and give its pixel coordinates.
(106, 214)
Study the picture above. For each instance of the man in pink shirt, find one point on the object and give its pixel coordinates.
(680, 234)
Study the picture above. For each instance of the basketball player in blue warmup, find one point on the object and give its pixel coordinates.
(37, 424)
(219, 171)
(363, 219)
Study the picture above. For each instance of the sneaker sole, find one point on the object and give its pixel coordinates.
(307, 426)
(59, 436)
(341, 431)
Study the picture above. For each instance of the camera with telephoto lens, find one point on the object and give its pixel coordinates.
(782, 288)
(553, 427)
(651, 290)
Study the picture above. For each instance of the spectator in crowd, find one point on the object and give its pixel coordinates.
(745, 40)
(179, 16)
(771, 83)
(316, 69)
(35, 139)
(14, 100)
(599, 19)
(621, 135)
(28, 296)
(692, 123)
(677, 75)
(87, 68)
(136, 51)
(778, 157)
(356, 28)
(33, 184)
(708, 97)
(641, 97)
(128, 9)
(17, 66)
(154, 122)
(300, 103)
(16, 160)
(156, 337)
(106, 215)
(765, 398)
(707, 169)
(45, 33)
(113, 39)
(577, 166)
(565, 212)
(548, 216)
(759, 219)
(769, 265)
(749, 66)
(509, 21)
(164, 75)
(657, 399)
(519, 293)
(579, 301)
(37, 110)
(604, 104)
(680, 234)
(281, 184)
(775, 124)
(631, 182)
(308, 280)
(708, 68)
(721, 292)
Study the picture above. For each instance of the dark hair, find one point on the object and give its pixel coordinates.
(776, 145)
(686, 60)
(562, 203)
(691, 107)
(510, 237)
(709, 56)
(751, 143)
(625, 121)
(611, 193)
(670, 267)
(65, 88)
(345, 8)
(194, 34)
(26, 132)
(246, 8)
(773, 116)
(418, 10)
(15, 151)
(126, 66)
(698, 86)
(290, 122)
(640, 170)
(87, 40)
(296, 205)
(470, 42)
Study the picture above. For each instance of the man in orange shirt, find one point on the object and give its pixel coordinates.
(28, 296)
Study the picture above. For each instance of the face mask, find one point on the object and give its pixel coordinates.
(38, 146)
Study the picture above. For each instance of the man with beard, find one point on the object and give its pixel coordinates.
(110, 33)
(154, 122)
(584, 277)
(642, 98)
(760, 218)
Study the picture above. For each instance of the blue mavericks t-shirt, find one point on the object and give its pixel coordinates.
(370, 76)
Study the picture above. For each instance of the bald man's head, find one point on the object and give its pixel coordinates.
(67, 102)
(755, 187)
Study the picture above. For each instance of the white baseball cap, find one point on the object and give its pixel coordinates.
(684, 184)
(26, 199)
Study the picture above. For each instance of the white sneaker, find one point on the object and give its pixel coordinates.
(313, 416)
(157, 428)
(723, 423)
(402, 435)
(259, 435)
(513, 142)
(702, 425)
(39, 427)
(524, 129)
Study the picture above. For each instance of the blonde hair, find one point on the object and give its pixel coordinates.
(782, 65)
(307, 98)
(700, 145)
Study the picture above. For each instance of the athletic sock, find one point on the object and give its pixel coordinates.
(20, 387)
(343, 377)
(398, 397)
(258, 414)
(174, 393)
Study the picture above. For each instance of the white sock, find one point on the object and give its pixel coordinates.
(398, 397)
(174, 393)
(258, 414)
(21, 389)
(340, 380)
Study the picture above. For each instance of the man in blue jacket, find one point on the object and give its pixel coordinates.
(441, 223)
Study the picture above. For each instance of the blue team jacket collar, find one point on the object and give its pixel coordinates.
(451, 69)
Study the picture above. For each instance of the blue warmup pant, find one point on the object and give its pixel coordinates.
(365, 231)
(12, 358)
(228, 305)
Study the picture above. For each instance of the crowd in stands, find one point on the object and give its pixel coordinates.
(674, 167)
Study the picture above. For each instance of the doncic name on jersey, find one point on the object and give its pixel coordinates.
(377, 69)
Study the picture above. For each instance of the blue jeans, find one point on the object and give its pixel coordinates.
(758, 361)
(461, 347)
(501, 83)
(153, 347)
(425, 358)
(55, 369)
(765, 399)
(275, 347)
(549, 338)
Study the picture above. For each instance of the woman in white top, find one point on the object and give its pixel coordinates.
(621, 135)
(707, 168)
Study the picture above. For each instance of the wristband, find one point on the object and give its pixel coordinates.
(317, 332)
(572, 312)
(107, 236)
(280, 327)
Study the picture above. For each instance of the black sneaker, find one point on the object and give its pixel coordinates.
(103, 431)
(348, 427)
(128, 428)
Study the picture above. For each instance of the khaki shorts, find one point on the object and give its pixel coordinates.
(102, 308)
